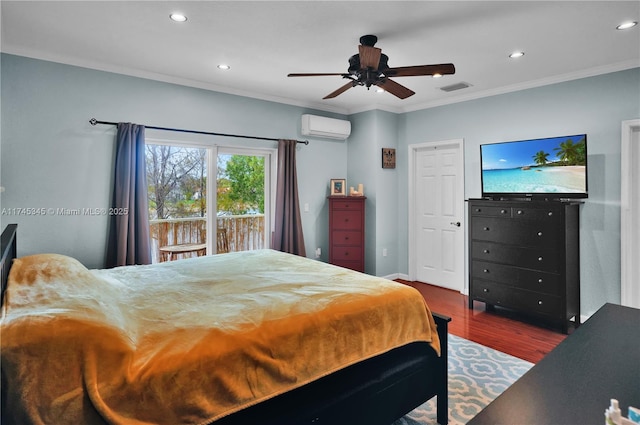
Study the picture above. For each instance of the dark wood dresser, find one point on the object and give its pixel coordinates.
(525, 255)
(346, 231)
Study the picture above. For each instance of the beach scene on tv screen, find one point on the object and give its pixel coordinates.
(550, 165)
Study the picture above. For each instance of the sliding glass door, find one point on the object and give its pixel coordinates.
(186, 220)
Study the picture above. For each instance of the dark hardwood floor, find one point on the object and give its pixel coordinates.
(498, 330)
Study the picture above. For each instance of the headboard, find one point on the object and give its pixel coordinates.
(8, 251)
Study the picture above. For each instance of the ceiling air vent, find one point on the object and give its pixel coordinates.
(456, 86)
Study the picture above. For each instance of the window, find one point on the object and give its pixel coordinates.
(181, 210)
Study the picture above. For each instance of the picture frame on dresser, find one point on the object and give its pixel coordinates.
(338, 187)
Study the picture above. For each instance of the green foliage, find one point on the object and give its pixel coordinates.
(241, 185)
(541, 157)
(572, 153)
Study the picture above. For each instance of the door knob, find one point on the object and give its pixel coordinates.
(455, 223)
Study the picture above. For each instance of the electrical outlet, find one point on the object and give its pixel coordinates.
(384, 252)
(318, 252)
(306, 207)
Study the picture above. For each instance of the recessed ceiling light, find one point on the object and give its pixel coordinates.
(178, 17)
(515, 55)
(224, 66)
(626, 25)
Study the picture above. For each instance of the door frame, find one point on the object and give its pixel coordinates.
(412, 231)
(630, 214)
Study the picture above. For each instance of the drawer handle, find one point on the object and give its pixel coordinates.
(520, 212)
(539, 233)
(503, 211)
(346, 220)
(539, 258)
(550, 213)
(478, 209)
(486, 251)
(485, 289)
(346, 254)
(486, 229)
(539, 302)
(485, 271)
(346, 238)
(540, 280)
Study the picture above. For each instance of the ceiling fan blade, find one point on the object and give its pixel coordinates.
(410, 71)
(369, 57)
(339, 91)
(316, 75)
(396, 89)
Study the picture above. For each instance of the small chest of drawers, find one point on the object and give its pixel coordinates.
(346, 231)
(524, 255)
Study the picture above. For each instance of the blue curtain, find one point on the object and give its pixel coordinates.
(129, 241)
(287, 235)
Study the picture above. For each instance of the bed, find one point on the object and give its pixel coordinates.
(237, 338)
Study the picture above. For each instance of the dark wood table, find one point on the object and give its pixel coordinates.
(575, 382)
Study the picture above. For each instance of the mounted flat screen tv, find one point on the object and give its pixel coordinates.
(550, 168)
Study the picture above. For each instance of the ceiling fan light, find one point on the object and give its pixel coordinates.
(626, 25)
(516, 55)
(178, 17)
(437, 75)
(224, 67)
(379, 90)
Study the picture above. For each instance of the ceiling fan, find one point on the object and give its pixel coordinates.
(369, 68)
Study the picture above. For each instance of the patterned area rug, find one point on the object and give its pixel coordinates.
(477, 375)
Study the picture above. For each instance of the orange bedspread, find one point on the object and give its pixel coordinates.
(189, 341)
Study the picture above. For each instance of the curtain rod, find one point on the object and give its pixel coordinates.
(94, 121)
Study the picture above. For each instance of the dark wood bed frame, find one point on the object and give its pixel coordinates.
(376, 391)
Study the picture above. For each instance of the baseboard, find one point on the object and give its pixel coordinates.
(395, 276)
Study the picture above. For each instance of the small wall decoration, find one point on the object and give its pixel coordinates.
(388, 158)
(338, 187)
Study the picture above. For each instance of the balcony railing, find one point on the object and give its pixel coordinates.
(244, 232)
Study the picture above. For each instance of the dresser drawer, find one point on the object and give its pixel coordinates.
(346, 253)
(529, 258)
(551, 214)
(346, 237)
(489, 292)
(347, 204)
(490, 211)
(346, 219)
(533, 280)
(501, 295)
(516, 232)
(537, 303)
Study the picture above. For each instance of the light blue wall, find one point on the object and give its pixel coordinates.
(374, 130)
(53, 158)
(596, 106)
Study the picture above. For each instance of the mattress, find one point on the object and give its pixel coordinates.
(189, 341)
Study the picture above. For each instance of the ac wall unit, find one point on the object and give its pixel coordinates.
(331, 128)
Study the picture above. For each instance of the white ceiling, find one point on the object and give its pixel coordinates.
(263, 41)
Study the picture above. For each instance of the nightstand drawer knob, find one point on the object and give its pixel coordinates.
(540, 280)
(539, 233)
(486, 229)
(539, 258)
(520, 212)
(485, 271)
(503, 211)
(485, 289)
(478, 209)
(486, 251)
(550, 213)
(539, 302)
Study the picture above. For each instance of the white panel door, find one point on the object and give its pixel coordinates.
(439, 202)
